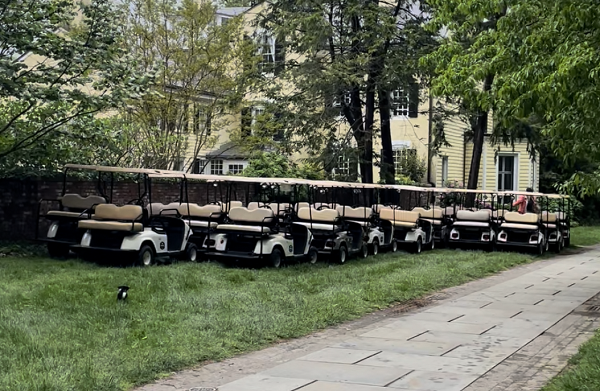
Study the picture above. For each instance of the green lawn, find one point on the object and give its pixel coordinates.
(585, 236)
(62, 329)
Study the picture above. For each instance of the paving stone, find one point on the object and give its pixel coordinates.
(431, 316)
(433, 381)
(332, 386)
(471, 301)
(394, 345)
(470, 366)
(390, 332)
(457, 311)
(345, 373)
(453, 327)
(475, 340)
(556, 308)
(496, 353)
(342, 356)
(264, 383)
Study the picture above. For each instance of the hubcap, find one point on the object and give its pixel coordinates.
(394, 246)
(375, 248)
(193, 255)
(418, 247)
(342, 256)
(313, 257)
(147, 258)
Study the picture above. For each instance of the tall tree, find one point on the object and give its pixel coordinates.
(465, 74)
(59, 60)
(200, 77)
(338, 61)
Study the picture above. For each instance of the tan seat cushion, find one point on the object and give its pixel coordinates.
(114, 212)
(434, 222)
(301, 205)
(551, 226)
(549, 217)
(260, 216)
(202, 224)
(319, 226)
(516, 217)
(471, 224)
(405, 224)
(62, 213)
(324, 215)
(110, 226)
(436, 213)
(363, 222)
(75, 201)
(243, 228)
(230, 205)
(378, 207)
(399, 216)
(529, 227)
(325, 205)
(211, 211)
(355, 213)
(277, 208)
(155, 208)
(467, 215)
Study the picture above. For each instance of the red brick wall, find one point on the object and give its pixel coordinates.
(19, 200)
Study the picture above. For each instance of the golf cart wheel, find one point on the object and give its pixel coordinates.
(342, 254)
(540, 249)
(568, 242)
(546, 245)
(394, 246)
(418, 246)
(145, 256)
(364, 251)
(375, 247)
(275, 258)
(432, 245)
(313, 255)
(58, 250)
(191, 252)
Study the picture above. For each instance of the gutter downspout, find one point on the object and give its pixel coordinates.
(429, 139)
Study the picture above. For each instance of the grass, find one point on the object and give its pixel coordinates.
(62, 329)
(585, 236)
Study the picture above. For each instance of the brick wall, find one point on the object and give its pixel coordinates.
(19, 200)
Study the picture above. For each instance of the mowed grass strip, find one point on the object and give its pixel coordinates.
(61, 327)
(585, 236)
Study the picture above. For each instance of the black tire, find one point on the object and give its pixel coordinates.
(58, 250)
(364, 251)
(375, 247)
(540, 249)
(546, 245)
(394, 246)
(418, 246)
(145, 256)
(568, 242)
(341, 254)
(276, 258)
(432, 244)
(191, 253)
(313, 255)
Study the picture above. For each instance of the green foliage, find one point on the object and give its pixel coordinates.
(412, 167)
(275, 165)
(200, 71)
(60, 60)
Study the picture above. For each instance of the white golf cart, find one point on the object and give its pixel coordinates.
(135, 233)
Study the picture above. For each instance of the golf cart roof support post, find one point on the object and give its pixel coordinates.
(64, 187)
(112, 184)
(248, 193)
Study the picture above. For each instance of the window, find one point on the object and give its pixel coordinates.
(257, 113)
(444, 170)
(235, 168)
(402, 157)
(346, 98)
(267, 51)
(224, 20)
(399, 102)
(506, 172)
(343, 166)
(201, 121)
(199, 166)
(216, 167)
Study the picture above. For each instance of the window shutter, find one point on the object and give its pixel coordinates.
(413, 100)
(246, 122)
(208, 123)
(279, 57)
(278, 136)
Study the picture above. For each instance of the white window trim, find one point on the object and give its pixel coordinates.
(235, 164)
(255, 109)
(394, 117)
(261, 34)
(517, 156)
(447, 169)
(212, 162)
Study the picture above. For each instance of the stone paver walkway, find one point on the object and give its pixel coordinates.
(446, 347)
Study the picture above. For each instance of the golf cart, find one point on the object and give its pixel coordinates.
(260, 233)
(557, 223)
(522, 230)
(475, 222)
(334, 235)
(133, 232)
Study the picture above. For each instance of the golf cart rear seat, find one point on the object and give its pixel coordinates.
(378, 207)
(467, 218)
(400, 218)
(515, 220)
(549, 219)
(326, 219)
(278, 209)
(156, 208)
(325, 205)
(74, 206)
(498, 215)
(110, 217)
(226, 207)
(434, 216)
(252, 221)
(201, 216)
(360, 215)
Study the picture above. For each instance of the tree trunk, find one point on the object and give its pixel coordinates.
(479, 131)
(366, 152)
(387, 171)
